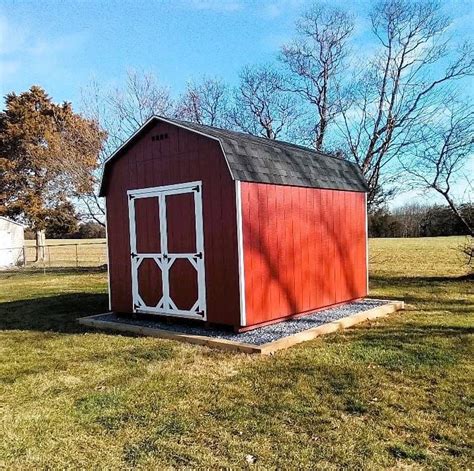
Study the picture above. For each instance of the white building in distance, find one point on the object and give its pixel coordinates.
(12, 240)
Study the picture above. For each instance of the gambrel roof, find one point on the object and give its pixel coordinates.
(260, 160)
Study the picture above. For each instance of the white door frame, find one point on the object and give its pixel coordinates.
(164, 260)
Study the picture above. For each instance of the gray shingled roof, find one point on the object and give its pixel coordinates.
(256, 159)
(260, 160)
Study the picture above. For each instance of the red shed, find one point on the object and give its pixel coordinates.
(228, 228)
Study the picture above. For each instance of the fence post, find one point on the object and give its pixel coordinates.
(77, 258)
(40, 246)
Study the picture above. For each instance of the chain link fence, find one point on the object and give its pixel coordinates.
(63, 253)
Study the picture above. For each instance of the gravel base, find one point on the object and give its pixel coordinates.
(261, 335)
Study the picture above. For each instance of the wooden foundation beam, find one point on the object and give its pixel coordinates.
(234, 346)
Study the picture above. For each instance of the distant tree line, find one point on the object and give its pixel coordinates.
(415, 220)
(63, 222)
(85, 230)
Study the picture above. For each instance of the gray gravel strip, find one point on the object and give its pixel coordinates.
(260, 335)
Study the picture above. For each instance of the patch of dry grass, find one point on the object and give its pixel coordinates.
(395, 393)
(423, 257)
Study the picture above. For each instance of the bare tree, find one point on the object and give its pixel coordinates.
(132, 105)
(446, 146)
(411, 217)
(204, 102)
(123, 109)
(261, 105)
(120, 112)
(401, 88)
(316, 62)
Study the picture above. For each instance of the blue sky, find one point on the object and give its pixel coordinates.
(62, 45)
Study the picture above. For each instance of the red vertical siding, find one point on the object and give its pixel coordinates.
(184, 156)
(304, 249)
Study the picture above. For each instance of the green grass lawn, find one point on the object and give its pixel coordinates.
(393, 394)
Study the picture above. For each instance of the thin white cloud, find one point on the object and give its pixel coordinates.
(9, 67)
(12, 38)
(277, 8)
(274, 41)
(215, 5)
(55, 46)
(23, 49)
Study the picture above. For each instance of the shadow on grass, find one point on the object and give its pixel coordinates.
(423, 280)
(412, 346)
(60, 313)
(434, 293)
(413, 333)
(51, 314)
(33, 270)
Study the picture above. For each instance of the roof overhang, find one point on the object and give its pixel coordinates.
(13, 222)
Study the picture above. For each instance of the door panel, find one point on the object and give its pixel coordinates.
(181, 230)
(147, 225)
(150, 283)
(183, 281)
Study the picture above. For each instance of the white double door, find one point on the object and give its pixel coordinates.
(167, 250)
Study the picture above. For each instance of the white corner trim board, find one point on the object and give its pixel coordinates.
(240, 250)
(107, 248)
(366, 247)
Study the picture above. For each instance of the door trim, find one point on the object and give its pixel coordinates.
(164, 260)
(142, 192)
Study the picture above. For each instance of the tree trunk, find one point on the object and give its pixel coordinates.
(458, 214)
(40, 245)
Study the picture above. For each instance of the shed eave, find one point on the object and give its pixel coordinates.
(14, 222)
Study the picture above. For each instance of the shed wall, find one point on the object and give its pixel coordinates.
(182, 157)
(304, 249)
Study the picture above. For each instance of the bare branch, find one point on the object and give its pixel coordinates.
(449, 144)
(261, 106)
(120, 112)
(315, 61)
(204, 102)
(400, 91)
